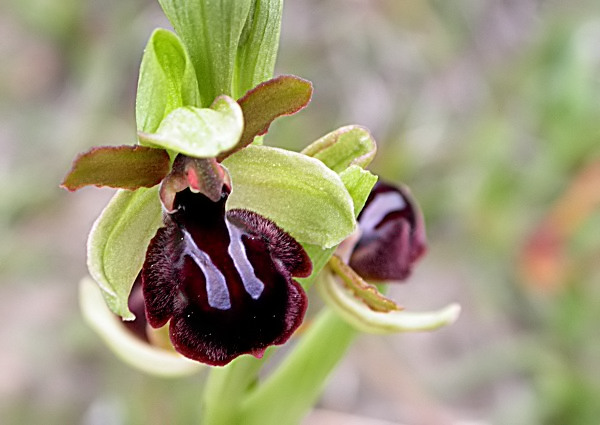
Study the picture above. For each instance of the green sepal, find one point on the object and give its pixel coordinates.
(199, 132)
(359, 183)
(258, 45)
(350, 145)
(167, 81)
(124, 167)
(117, 244)
(297, 192)
(211, 32)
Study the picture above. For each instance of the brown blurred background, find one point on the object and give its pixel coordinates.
(489, 110)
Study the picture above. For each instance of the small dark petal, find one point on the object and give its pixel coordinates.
(224, 281)
(136, 306)
(393, 235)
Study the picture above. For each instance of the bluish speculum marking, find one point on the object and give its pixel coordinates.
(237, 252)
(381, 205)
(216, 286)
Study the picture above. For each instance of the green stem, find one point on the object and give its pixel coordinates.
(293, 388)
(225, 387)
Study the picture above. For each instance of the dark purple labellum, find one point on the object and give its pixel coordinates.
(224, 280)
(392, 235)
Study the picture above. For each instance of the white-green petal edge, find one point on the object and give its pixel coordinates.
(357, 314)
(130, 349)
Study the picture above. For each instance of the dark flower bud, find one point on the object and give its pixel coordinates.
(392, 235)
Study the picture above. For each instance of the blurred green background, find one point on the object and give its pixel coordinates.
(489, 110)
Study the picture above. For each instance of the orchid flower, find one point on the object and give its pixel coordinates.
(206, 250)
(213, 234)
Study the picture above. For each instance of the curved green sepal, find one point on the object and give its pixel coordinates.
(350, 145)
(258, 45)
(117, 244)
(167, 81)
(365, 319)
(211, 32)
(128, 347)
(124, 167)
(297, 192)
(199, 132)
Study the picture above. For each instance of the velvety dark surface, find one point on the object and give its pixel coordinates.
(210, 322)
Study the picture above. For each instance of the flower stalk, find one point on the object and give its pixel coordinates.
(227, 388)
(293, 388)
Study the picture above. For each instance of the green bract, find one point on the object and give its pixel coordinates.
(258, 45)
(362, 290)
(347, 151)
(118, 241)
(211, 32)
(167, 81)
(199, 132)
(297, 192)
(358, 183)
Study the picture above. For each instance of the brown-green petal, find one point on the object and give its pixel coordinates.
(283, 95)
(124, 167)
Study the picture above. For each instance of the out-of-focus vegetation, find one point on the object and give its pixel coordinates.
(489, 110)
